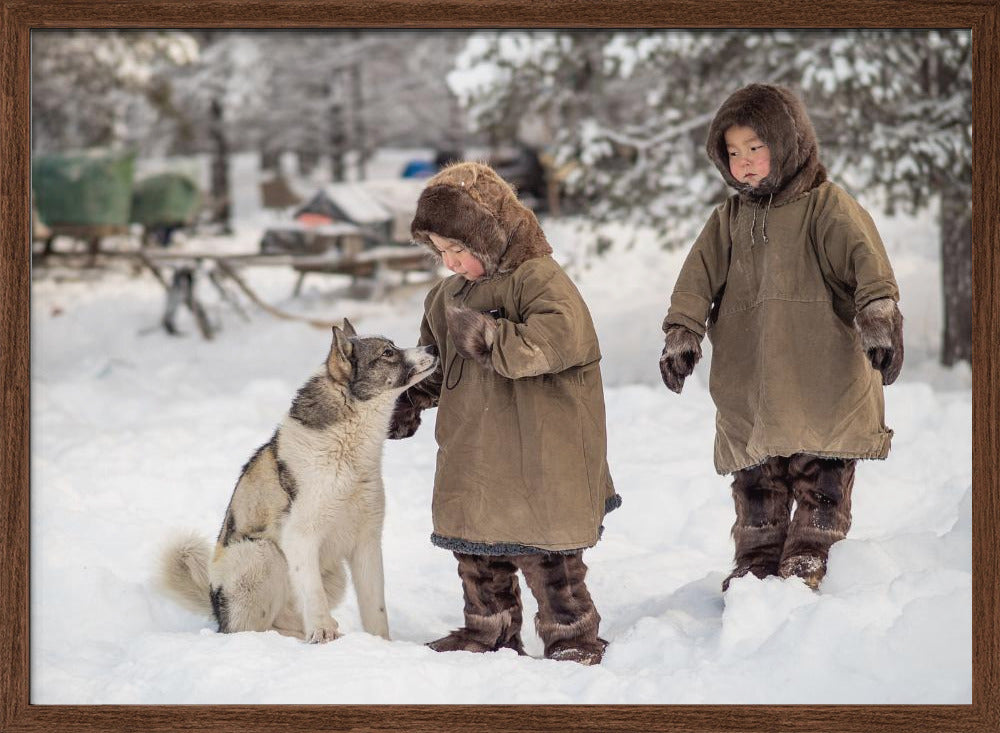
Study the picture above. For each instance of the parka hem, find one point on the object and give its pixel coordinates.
(469, 547)
(875, 455)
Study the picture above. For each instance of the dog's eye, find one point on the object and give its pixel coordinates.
(389, 351)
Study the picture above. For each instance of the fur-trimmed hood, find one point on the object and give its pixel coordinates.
(469, 202)
(781, 121)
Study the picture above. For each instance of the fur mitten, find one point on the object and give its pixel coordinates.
(473, 334)
(681, 352)
(405, 418)
(881, 327)
(406, 413)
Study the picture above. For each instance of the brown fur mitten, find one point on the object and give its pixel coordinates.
(681, 352)
(881, 327)
(406, 413)
(473, 334)
(405, 418)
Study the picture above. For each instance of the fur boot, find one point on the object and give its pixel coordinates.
(492, 607)
(763, 500)
(567, 620)
(822, 490)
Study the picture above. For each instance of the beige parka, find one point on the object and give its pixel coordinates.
(775, 279)
(522, 457)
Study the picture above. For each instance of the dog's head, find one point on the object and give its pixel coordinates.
(373, 365)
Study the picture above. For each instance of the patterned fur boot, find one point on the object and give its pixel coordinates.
(822, 490)
(567, 620)
(492, 607)
(763, 500)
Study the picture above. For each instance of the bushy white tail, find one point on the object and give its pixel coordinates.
(184, 572)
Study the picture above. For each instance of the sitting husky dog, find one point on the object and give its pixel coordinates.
(308, 500)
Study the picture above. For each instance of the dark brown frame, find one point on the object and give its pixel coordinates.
(19, 17)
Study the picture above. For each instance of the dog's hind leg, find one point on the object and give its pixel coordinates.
(249, 586)
(289, 622)
(369, 581)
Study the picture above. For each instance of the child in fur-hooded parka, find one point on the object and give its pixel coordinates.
(791, 283)
(522, 480)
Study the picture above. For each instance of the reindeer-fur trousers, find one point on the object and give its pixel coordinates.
(567, 620)
(769, 539)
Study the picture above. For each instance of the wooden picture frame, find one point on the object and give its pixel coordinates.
(19, 17)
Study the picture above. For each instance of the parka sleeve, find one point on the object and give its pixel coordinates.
(555, 333)
(703, 274)
(855, 255)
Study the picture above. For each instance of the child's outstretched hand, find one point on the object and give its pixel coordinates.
(880, 325)
(405, 418)
(681, 352)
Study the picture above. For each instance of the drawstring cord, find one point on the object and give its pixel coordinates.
(763, 226)
(461, 368)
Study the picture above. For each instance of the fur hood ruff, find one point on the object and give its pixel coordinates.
(780, 120)
(469, 202)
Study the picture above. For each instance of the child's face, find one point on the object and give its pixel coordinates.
(749, 156)
(457, 258)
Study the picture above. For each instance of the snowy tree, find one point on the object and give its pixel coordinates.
(901, 126)
(212, 103)
(891, 109)
(100, 88)
(344, 93)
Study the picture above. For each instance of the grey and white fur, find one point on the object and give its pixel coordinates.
(307, 503)
(880, 327)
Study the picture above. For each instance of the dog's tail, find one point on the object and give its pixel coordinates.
(183, 572)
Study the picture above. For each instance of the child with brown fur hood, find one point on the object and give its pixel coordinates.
(800, 300)
(522, 479)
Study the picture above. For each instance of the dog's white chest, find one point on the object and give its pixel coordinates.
(335, 472)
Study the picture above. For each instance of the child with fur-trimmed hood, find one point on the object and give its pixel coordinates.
(799, 298)
(522, 479)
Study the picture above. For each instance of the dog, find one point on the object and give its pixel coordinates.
(309, 501)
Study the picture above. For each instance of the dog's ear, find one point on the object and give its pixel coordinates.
(338, 363)
(349, 329)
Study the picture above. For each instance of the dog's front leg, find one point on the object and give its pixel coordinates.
(369, 581)
(302, 552)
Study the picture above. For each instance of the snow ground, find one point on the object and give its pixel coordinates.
(136, 433)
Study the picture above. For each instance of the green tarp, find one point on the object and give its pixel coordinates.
(167, 198)
(89, 188)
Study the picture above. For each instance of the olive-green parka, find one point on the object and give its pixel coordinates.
(778, 275)
(522, 446)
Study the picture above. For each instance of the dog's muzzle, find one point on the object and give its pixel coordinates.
(423, 365)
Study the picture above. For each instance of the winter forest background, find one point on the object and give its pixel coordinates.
(136, 432)
(626, 113)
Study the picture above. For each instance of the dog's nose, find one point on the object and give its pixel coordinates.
(432, 350)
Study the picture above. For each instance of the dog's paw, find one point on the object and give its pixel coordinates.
(323, 633)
